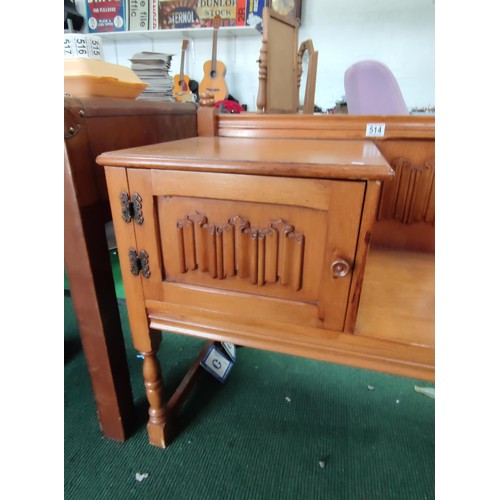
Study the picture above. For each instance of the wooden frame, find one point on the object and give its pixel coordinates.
(310, 87)
(278, 90)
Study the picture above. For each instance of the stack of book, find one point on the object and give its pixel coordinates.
(153, 68)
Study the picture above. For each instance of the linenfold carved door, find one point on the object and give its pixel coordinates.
(276, 248)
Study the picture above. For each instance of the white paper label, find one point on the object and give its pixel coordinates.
(95, 47)
(230, 349)
(69, 46)
(375, 129)
(80, 45)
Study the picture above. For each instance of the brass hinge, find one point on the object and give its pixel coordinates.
(131, 209)
(139, 263)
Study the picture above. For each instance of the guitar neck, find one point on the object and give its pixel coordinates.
(214, 51)
(182, 64)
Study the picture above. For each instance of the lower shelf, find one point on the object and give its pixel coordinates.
(397, 300)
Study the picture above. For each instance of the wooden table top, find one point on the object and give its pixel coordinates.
(329, 159)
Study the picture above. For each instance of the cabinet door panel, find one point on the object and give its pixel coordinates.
(240, 240)
(249, 236)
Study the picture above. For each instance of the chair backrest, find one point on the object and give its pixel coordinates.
(372, 89)
(278, 91)
(280, 66)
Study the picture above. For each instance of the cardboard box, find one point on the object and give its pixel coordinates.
(85, 77)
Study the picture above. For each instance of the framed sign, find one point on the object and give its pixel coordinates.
(287, 8)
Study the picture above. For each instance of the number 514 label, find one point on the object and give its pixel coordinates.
(375, 129)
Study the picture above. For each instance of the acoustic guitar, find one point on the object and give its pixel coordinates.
(181, 81)
(214, 71)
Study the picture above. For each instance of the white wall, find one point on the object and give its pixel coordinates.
(398, 33)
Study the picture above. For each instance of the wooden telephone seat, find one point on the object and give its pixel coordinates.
(388, 327)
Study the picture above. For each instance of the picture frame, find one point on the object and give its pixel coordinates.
(288, 8)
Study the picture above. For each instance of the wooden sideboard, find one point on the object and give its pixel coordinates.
(226, 226)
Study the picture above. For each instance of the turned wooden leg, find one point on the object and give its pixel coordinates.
(157, 425)
(162, 414)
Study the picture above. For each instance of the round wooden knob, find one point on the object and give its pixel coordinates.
(340, 268)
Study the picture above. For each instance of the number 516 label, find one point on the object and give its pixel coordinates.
(375, 129)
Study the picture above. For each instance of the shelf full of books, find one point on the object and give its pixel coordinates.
(124, 19)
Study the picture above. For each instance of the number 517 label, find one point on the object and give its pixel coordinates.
(375, 129)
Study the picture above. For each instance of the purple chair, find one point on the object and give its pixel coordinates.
(372, 89)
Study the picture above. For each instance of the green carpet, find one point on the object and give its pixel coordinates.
(117, 275)
(281, 427)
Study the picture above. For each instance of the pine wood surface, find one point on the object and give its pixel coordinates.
(272, 157)
(298, 340)
(301, 126)
(397, 301)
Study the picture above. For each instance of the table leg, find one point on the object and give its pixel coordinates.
(93, 293)
(162, 415)
(157, 424)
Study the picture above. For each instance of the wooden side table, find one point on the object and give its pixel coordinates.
(258, 242)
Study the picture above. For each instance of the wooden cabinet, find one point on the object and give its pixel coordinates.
(259, 242)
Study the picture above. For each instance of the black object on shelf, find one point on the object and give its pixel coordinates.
(70, 13)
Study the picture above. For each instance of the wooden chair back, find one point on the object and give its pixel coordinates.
(278, 92)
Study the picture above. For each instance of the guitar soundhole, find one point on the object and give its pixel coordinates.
(213, 74)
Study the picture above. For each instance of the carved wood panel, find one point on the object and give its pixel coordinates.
(260, 255)
(225, 252)
(269, 240)
(409, 197)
